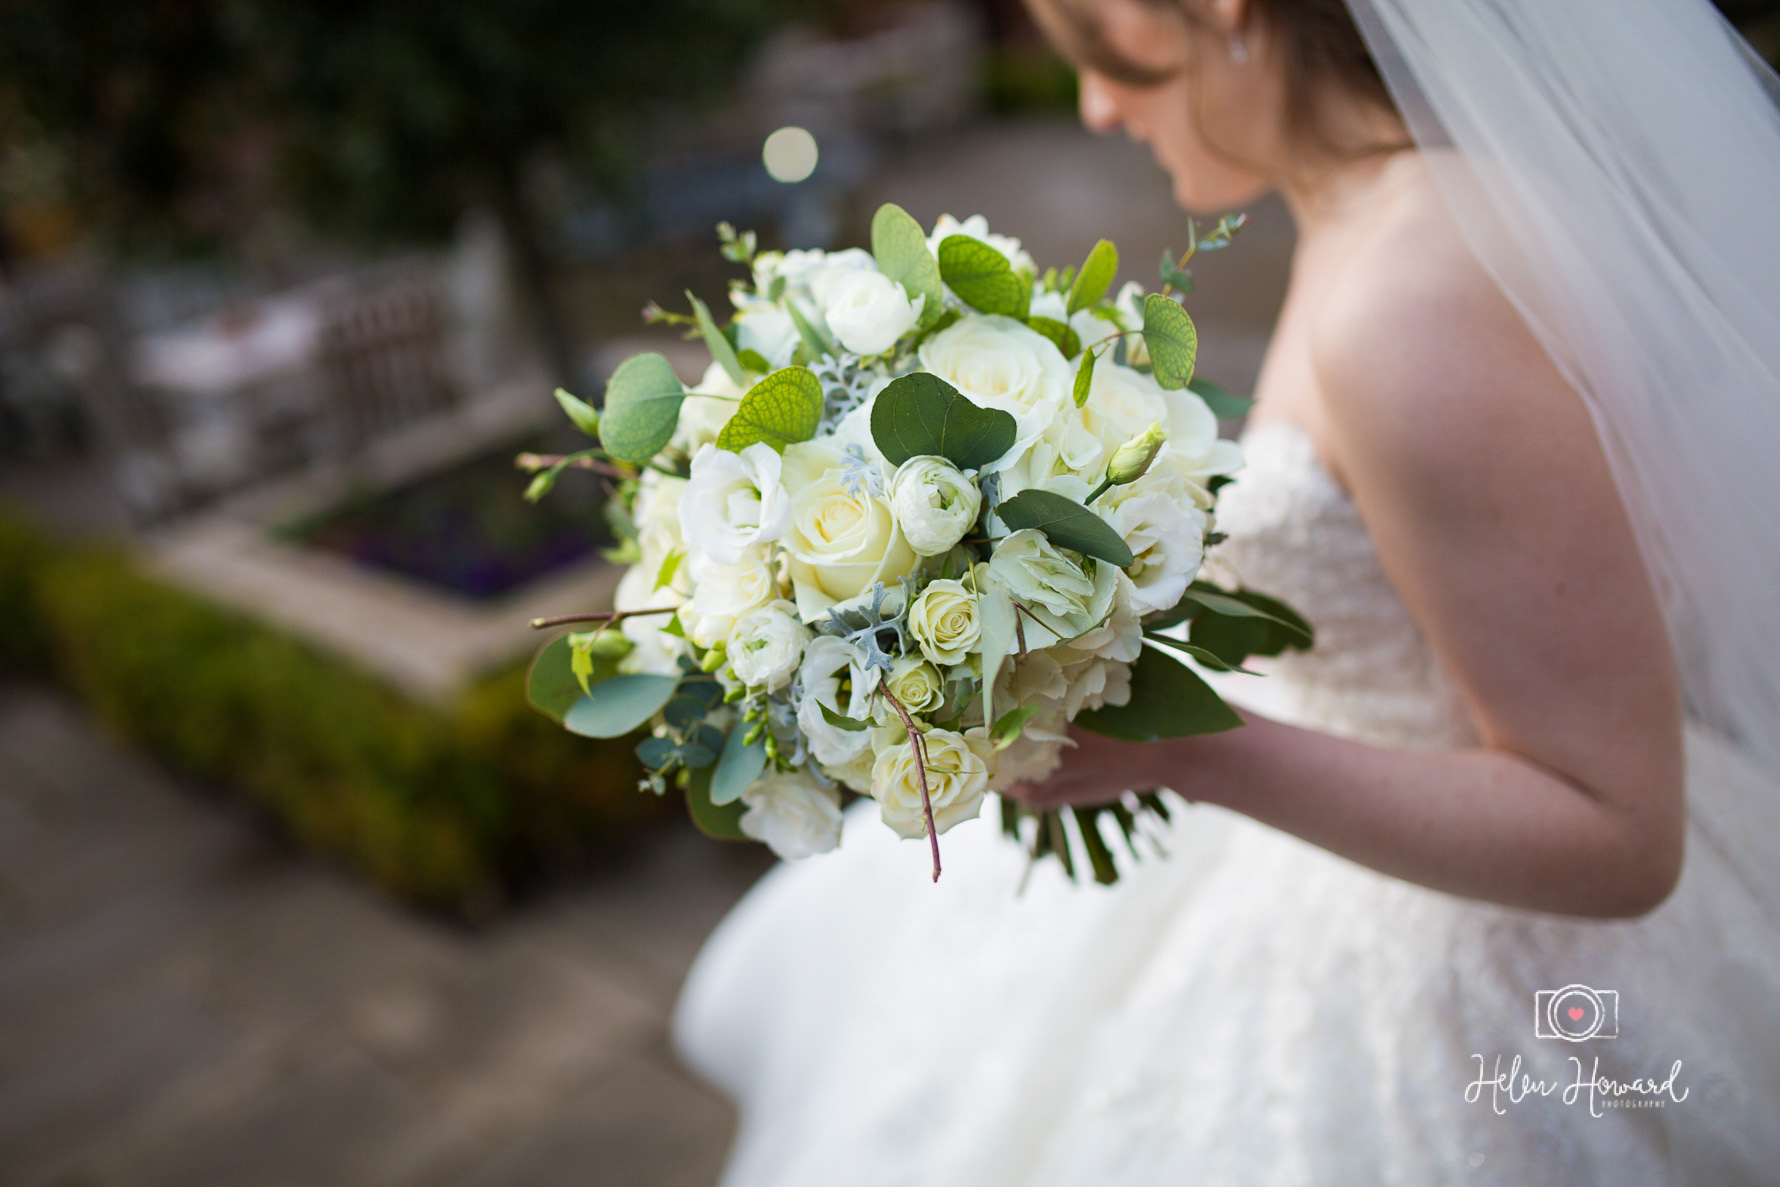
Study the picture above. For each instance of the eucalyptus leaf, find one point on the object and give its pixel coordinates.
(900, 248)
(642, 408)
(696, 755)
(619, 705)
(982, 277)
(1008, 729)
(1066, 523)
(1174, 275)
(814, 340)
(1168, 700)
(722, 350)
(921, 415)
(782, 409)
(580, 412)
(1095, 277)
(550, 684)
(1225, 405)
(1066, 339)
(738, 766)
(1084, 378)
(1173, 342)
(656, 753)
(753, 360)
(852, 725)
(722, 821)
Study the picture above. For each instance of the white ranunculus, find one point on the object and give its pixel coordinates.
(723, 593)
(832, 677)
(935, 504)
(767, 645)
(733, 502)
(945, 622)
(1195, 451)
(794, 815)
(1061, 595)
(998, 362)
(868, 312)
(977, 227)
(958, 768)
(842, 538)
(706, 409)
(1167, 536)
(654, 652)
(916, 683)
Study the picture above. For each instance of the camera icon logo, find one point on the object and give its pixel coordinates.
(1576, 1013)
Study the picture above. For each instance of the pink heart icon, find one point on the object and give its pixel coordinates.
(1576, 1013)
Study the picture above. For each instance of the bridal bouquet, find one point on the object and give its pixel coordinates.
(925, 508)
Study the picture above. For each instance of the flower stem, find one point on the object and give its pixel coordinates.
(917, 746)
(610, 617)
(544, 461)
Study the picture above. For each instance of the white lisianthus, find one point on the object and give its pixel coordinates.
(768, 330)
(654, 652)
(935, 504)
(1122, 403)
(656, 513)
(766, 646)
(791, 812)
(833, 678)
(999, 362)
(1064, 598)
(957, 776)
(832, 269)
(723, 593)
(977, 227)
(1195, 451)
(706, 409)
(915, 683)
(733, 502)
(842, 538)
(945, 622)
(868, 312)
(1167, 536)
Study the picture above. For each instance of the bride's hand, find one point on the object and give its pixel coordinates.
(1096, 770)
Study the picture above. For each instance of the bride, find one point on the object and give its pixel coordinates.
(1486, 888)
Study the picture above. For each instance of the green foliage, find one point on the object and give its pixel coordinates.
(642, 408)
(1095, 277)
(815, 344)
(900, 248)
(580, 412)
(1084, 378)
(782, 409)
(721, 821)
(552, 685)
(1172, 340)
(450, 806)
(1066, 523)
(982, 277)
(1168, 700)
(619, 705)
(738, 767)
(1224, 404)
(1058, 332)
(721, 350)
(921, 415)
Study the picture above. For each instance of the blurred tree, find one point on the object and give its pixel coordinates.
(179, 120)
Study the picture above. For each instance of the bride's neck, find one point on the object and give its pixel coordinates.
(1325, 188)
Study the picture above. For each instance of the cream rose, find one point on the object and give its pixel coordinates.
(915, 683)
(733, 502)
(945, 623)
(723, 593)
(957, 777)
(998, 362)
(868, 312)
(935, 504)
(791, 812)
(842, 538)
(766, 645)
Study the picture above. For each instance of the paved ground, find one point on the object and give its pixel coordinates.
(184, 1002)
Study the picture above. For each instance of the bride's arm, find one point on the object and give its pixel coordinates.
(1478, 472)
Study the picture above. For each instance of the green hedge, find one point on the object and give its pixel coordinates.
(453, 808)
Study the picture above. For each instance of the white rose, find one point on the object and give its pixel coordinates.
(705, 410)
(791, 812)
(977, 227)
(945, 623)
(842, 539)
(935, 504)
(766, 646)
(1165, 534)
(832, 678)
(723, 593)
(868, 312)
(1195, 451)
(998, 362)
(1062, 596)
(733, 502)
(915, 683)
(957, 777)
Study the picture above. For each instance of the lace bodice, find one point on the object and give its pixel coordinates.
(1296, 535)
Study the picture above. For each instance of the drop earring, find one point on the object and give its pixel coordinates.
(1238, 49)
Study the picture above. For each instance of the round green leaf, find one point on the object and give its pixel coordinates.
(619, 705)
(550, 684)
(1168, 700)
(982, 277)
(1066, 523)
(900, 248)
(921, 415)
(1173, 342)
(782, 409)
(642, 408)
(722, 821)
(1066, 339)
(1095, 277)
(738, 767)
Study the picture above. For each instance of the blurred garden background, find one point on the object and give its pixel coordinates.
(294, 886)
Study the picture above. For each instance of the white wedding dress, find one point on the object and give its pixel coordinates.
(1250, 1009)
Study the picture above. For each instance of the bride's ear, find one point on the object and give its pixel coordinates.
(1230, 16)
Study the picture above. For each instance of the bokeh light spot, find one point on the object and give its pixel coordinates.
(790, 154)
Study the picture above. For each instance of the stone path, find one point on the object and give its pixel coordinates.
(183, 1002)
